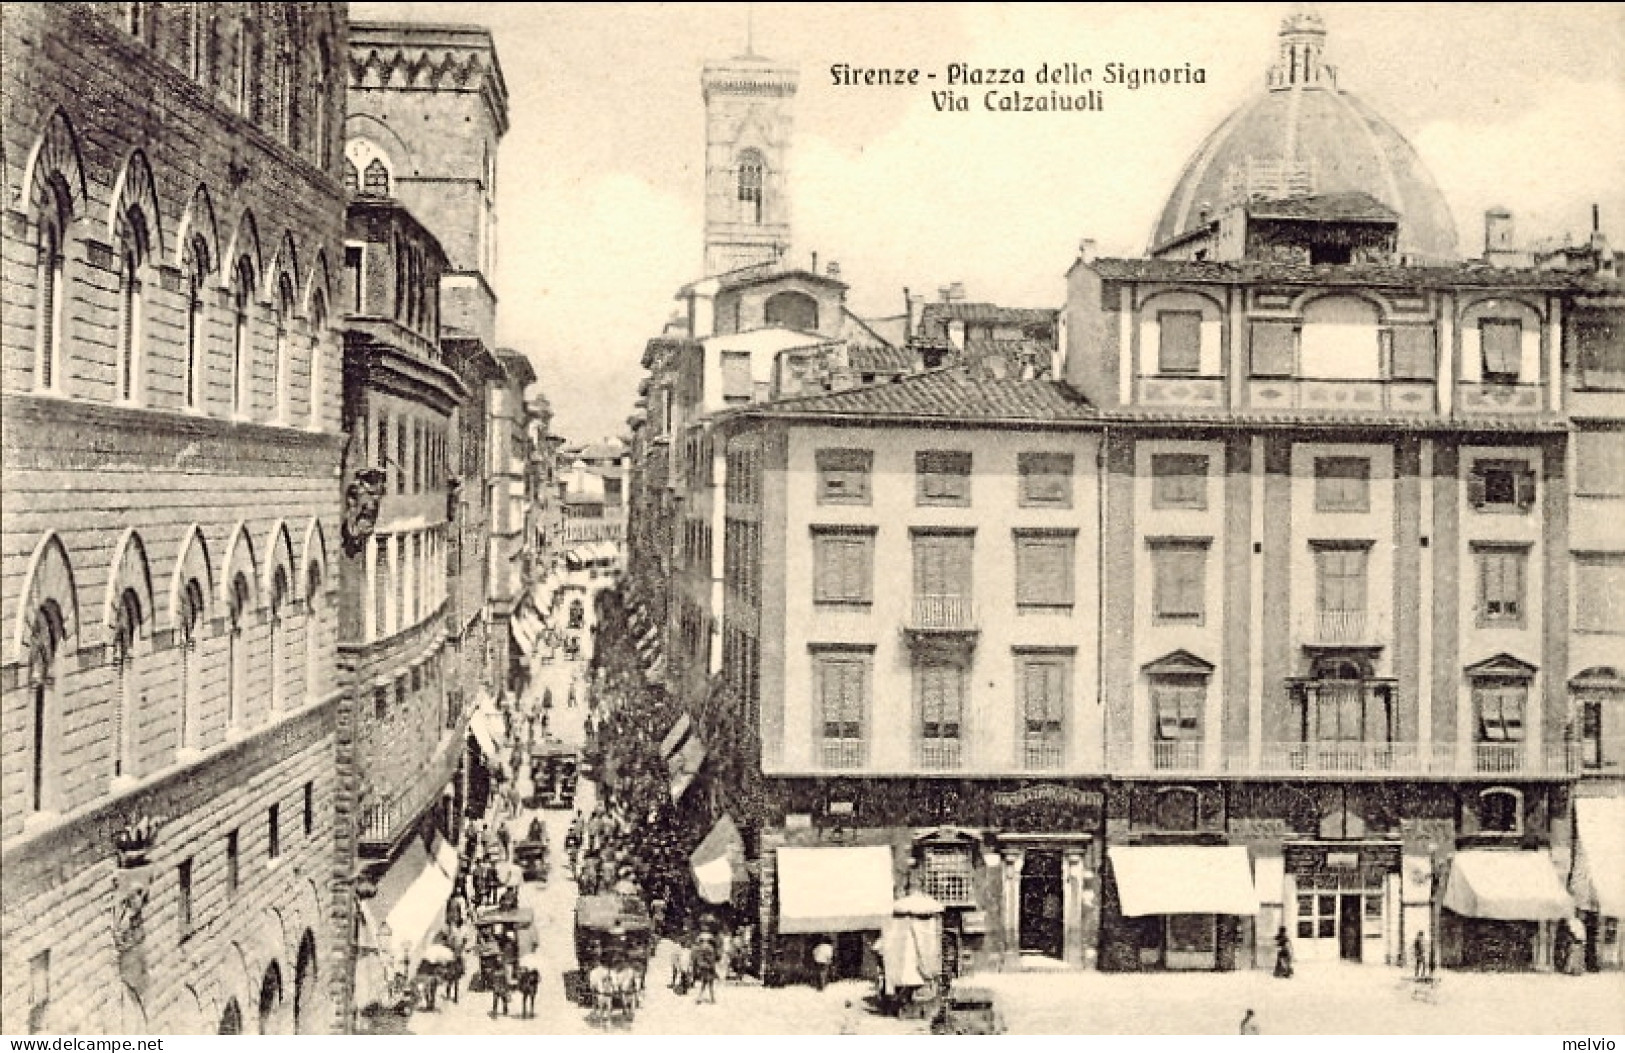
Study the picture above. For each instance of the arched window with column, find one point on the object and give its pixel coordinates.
(237, 650)
(277, 610)
(188, 633)
(318, 330)
(129, 633)
(197, 265)
(281, 380)
(314, 627)
(46, 646)
(242, 358)
(48, 283)
(132, 236)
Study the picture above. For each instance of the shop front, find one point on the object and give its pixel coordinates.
(1177, 907)
(1343, 901)
(1598, 878)
(843, 894)
(1501, 910)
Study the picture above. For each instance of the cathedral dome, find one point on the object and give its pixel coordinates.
(1303, 135)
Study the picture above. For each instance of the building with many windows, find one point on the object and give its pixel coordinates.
(174, 223)
(1281, 612)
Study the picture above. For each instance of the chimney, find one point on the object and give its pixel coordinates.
(1086, 250)
(815, 263)
(834, 269)
(913, 305)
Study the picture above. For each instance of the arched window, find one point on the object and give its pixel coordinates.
(236, 651)
(321, 134)
(280, 370)
(242, 296)
(198, 266)
(1177, 809)
(44, 680)
(1500, 811)
(48, 281)
(132, 258)
(279, 596)
(313, 633)
(231, 1021)
(791, 310)
(270, 999)
(751, 171)
(375, 180)
(189, 627)
(352, 178)
(128, 631)
(318, 328)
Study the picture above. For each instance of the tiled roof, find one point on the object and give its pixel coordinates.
(879, 359)
(960, 311)
(947, 394)
(1476, 275)
(987, 355)
(1355, 205)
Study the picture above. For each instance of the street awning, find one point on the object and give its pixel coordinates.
(1183, 879)
(1506, 885)
(846, 889)
(719, 862)
(411, 900)
(526, 626)
(1598, 881)
(685, 764)
(678, 732)
(485, 726)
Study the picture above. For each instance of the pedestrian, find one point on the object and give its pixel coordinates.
(1249, 1024)
(682, 966)
(823, 956)
(1283, 954)
(1419, 952)
(705, 969)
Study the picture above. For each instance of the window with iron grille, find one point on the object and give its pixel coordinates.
(950, 876)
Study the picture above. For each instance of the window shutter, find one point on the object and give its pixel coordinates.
(1179, 347)
(1501, 341)
(1526, 488)
(1274, 349)
(1475, 488)
(1413, 353)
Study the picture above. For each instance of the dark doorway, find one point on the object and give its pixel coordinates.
(849, 948)
(1349, 932)
(1041, 919)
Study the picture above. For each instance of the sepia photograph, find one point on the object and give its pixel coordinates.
(711, 519)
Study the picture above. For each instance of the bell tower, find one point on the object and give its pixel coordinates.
(748, 121)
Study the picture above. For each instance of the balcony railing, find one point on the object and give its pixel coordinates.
(938, 754)
(1343, 628)
(1176, 756)
(942, 614)
(380, 823)
(1405, 758)
(1040, 754)
(843, 753)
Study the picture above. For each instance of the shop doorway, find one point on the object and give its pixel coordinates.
(1350, 911)
(1042, 922)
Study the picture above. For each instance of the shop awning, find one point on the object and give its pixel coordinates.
(678, 732)
(685, 764)
(1505, 885)
(846, 889)
(411, 900)
(719, 862)
(526, 626)
(1598, 881)
(485, 726)
(1184, 879)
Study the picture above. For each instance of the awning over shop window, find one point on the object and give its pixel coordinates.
(685, 764)
(719, 862)
(1504, 885)
(1184, 879)
(846, 889)
(485, 726)
(526, 626)
(674, 737)
(411, 900)
(1598, 881)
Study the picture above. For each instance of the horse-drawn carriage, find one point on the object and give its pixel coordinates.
(614, 938)
(506, 945)
(531, 854)
(554, 769)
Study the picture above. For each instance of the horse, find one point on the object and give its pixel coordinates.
(451, 974)
(529, 981)
(501, 989)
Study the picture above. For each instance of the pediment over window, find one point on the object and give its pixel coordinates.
(1502, 664)
(948, 837)
(1598, 678)
(1178, 663)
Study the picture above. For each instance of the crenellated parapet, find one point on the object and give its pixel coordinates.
(406, 56)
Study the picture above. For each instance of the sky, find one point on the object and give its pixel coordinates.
(600, 177)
